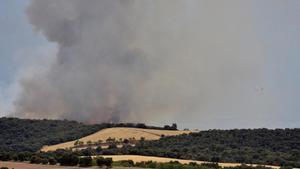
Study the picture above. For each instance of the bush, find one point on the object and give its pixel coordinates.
(68, 159)
(211, 165)
(100, 161)
(87, 152)
(112, 146)
(21, 157)
(44, 161)
(52, 161)
(126, 163)
(104, 162)
(286, 167)
(5, 157)
(15, 157)
(35, 160)
(98, 149)
(85, 161)
(4, 168)
(243, 166)
(147, 164)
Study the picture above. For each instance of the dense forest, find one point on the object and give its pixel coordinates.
(30, 135)
(262, 146)
(23, 135)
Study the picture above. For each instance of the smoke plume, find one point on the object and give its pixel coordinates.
(137, 60)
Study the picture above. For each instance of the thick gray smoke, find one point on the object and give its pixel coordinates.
(135, 60)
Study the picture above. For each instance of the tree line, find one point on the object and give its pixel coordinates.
(280, 147)
(71, 158)
(25, 135)
(22, 138)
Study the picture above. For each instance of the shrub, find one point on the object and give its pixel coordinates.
(125, 141)
(21, 157)
(104, 162)
(211, 165)
(44, 161)
(15, 157)
(85, 161)
(127, 163)
(52, 161)
(286, 167)
(100, 161)
(5, 157)
(98, 149)
(112, 146)
(89, 142)
(35, 160)
(148, 164)
(215, 159)
(68, 159)
(87, 152)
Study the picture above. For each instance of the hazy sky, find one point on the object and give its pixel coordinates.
(272, 100)
(18, 45)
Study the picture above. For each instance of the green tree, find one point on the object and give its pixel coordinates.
(69, 159)
(76, 143)
(85, 161)
(44, 161)
(52, 161)
(35, 160)
(104, 162)
(21, 157)
(174, 126)
(89, 143)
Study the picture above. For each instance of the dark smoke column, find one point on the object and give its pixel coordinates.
(184, 61)
(98, 68)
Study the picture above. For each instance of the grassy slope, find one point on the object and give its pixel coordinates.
(117, 133)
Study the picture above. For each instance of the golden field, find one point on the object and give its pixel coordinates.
(19, 165)
(118, 133)
(139, 158)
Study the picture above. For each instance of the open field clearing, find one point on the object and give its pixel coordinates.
(135, 158)
(118, 133)
(17, 165)
(138, 158)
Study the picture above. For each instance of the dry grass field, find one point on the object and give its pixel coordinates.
(138, 158)
(118, 133)
(17, 165)
(135, 158)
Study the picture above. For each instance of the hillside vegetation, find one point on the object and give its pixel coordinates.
(263, 146)
(279, 147)
(21, 135)
(140, 159)
(120, 133)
